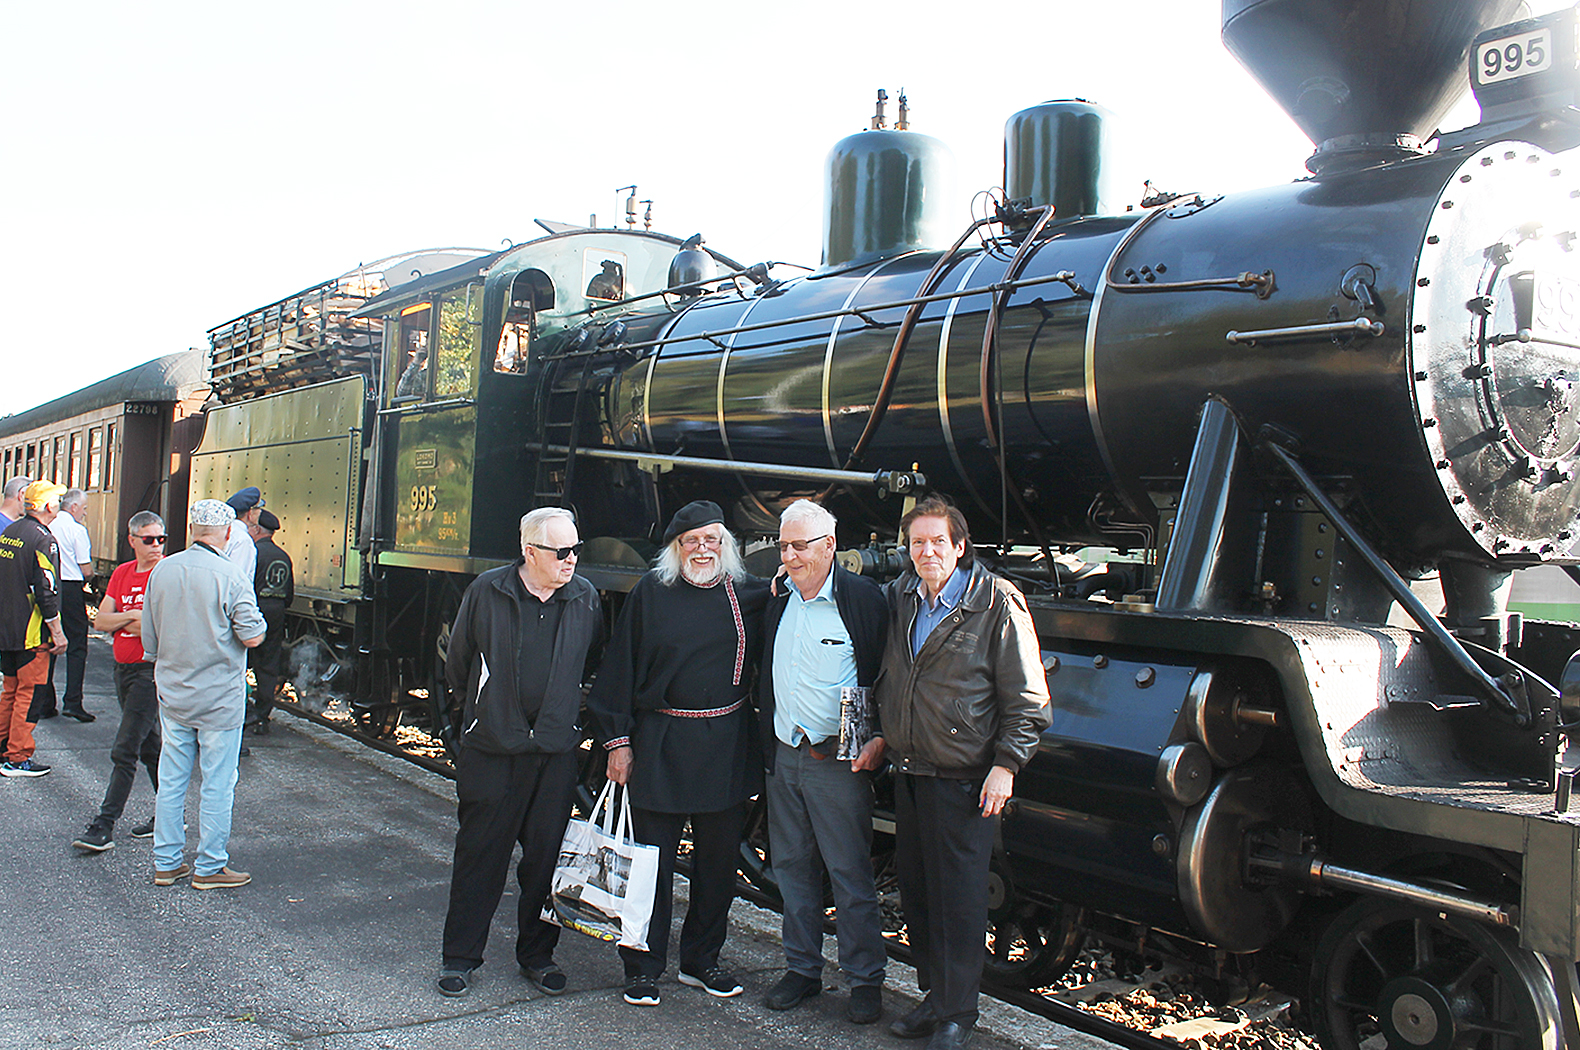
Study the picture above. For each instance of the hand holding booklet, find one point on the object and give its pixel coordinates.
(855, 721)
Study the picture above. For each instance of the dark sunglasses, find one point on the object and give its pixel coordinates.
(152, 541)
(560, 552)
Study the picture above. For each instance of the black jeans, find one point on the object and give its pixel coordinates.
(715, 852)
(137, 738)
(942, 848)
(267, 658)
(74, 621)
(506, 799)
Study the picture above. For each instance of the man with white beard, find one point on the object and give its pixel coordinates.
(670, 706)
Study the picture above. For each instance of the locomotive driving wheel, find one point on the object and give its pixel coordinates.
(1397, 976)
(1029, 945)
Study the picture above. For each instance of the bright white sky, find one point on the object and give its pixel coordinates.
(170, 165)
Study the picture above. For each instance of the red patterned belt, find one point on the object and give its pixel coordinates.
(712, 712)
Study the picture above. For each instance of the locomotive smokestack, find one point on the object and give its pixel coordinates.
(1364, 79)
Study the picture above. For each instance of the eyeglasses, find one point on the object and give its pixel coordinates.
(800, 545)
(151, 541)
(692, 543)
(560, 552)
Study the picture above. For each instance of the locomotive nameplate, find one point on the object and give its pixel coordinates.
(425, 458)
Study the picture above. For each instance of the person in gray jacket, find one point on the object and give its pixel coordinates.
(518, 653)
(963, 700)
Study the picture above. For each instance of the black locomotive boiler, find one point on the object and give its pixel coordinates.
(1277, 409)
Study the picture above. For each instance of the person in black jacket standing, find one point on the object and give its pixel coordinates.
(275, 585)
(822, 638)
(518, 653)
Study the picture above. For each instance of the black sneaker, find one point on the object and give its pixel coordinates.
(28, 767)
(145, 830)
(641, 990)
(715, 980)
(96, 839)
(793, 988)
(454, 983)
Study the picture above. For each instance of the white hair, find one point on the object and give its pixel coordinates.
(534, 523)
(14, 487)
(814, 514)
(672, 558)
(73, 497)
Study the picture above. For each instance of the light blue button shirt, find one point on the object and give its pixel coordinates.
(930, 615)
(813, 660)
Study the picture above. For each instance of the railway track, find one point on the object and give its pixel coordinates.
(1036, 1002)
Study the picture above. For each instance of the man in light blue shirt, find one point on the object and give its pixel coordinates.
(930, 612)
(823, 634)
(199, 619)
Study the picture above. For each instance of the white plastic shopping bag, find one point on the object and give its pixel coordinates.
(604, 882)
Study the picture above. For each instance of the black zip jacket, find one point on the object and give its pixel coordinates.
(865, 612)
(29, 584)
(487, 631)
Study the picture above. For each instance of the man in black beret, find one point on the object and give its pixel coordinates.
(670, 706)
(275, 583)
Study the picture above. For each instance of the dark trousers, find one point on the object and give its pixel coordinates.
(137, 738)
(266, 659)
(715, 854)
(506, 799)
(74, 621)
(942, 849)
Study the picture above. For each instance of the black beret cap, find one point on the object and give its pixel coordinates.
(693, 515)
(267, 520)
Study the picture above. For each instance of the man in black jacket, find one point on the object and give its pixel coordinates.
(518, 653)
(275, 585)
(30, 627)
(823, 643)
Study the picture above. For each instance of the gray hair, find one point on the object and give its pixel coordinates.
(669, 561)
(72, 497)
(14, 487)
(814, 514)
(142, 519)
(534, 524)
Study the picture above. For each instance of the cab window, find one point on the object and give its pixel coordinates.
(411, 352)
(454, 365)
(530, 293)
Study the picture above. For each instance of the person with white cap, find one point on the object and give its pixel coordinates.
(30, 627)
(200, 617)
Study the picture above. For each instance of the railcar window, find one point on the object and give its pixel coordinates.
(45, 461)
(58, 463)
(31, 452)
(95, 456)
(109, 457)
(454, 378)
(413, 346)
(74, 472)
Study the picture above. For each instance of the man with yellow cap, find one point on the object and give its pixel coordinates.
(30, 627)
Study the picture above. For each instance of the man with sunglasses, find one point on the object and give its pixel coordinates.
(823, 636)
(121, 614)
(517, 657)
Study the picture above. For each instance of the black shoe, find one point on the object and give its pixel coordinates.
(641, 990)
(454, 983)
(245, 751)
(79, 714)
(919, 1022)
(951, 1035)
(145, 830)
(715, 980)
(261, 728)
(96, 839)
(549, 978)
(866, 1004)
(51, 713)
(792, 990)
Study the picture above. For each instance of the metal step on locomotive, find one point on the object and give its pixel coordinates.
(1275, 409)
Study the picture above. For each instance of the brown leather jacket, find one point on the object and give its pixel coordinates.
(976, 695)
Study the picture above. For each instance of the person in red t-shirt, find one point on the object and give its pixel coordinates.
(121, 614)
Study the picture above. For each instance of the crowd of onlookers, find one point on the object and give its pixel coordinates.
(181, 628)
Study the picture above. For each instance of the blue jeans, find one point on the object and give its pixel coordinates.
(216, 752)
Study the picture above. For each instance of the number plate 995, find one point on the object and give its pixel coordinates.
(1511, 57)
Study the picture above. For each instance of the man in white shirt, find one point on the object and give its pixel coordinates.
(239, 545)
(76, 569)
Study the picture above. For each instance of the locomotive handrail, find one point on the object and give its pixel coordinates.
(1361, 325)
(894, 482)
(1507, 692)
(1064, 277)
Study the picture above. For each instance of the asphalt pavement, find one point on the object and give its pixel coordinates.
(335, 944)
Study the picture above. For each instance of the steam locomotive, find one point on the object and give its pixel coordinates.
(1220, 441)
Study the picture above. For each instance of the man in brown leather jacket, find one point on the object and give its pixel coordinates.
(963, 700)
